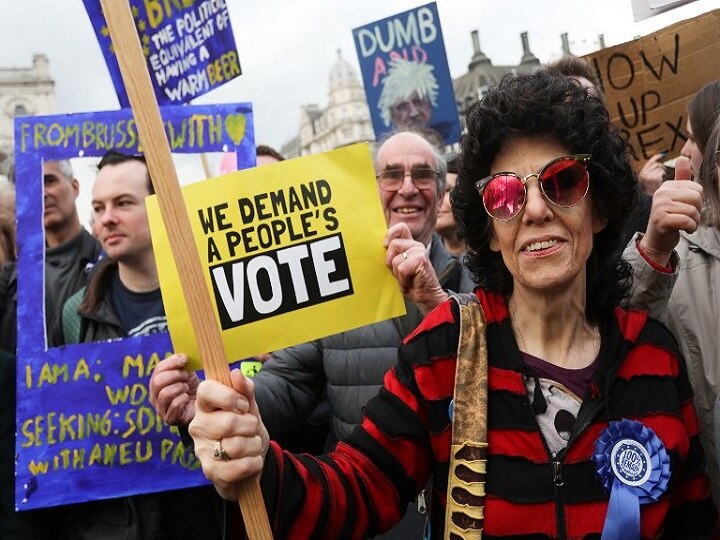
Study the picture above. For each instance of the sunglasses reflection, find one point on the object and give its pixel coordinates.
(564, 182)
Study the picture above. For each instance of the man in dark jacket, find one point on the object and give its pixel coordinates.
(123, 296)
(123, 299)
(70, 251)
(349, 367)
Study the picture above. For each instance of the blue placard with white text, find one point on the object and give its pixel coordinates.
(406, 75)
(189, 47)
(85, 427)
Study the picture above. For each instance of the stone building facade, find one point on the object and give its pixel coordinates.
(346, 119)
(23, 91)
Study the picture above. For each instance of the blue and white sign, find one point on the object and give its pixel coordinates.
(189, 47)
(85, 427)
(406, 75)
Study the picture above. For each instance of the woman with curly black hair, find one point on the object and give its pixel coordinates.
(544, 410)
(558, 112)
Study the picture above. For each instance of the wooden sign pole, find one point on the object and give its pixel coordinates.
(177, 223)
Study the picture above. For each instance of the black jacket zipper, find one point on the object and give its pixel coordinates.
(581, 423)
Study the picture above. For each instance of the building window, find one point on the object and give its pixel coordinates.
(20, 110)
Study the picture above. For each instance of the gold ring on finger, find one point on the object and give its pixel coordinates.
(220, 453)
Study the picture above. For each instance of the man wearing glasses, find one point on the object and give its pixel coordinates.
(349, 367)
(411, 178)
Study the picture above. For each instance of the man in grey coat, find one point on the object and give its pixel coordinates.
(348, 368)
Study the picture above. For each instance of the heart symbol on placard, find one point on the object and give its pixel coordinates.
(235, 127)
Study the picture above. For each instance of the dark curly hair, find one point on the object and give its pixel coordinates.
(552, 106)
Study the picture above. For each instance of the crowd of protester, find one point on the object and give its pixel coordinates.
(586, 292)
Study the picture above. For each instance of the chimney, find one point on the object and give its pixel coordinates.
(479, 57)
(476, 41)
(528, 58)
(565, 44)
(601, 40)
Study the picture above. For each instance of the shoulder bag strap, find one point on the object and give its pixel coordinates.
(464, 515)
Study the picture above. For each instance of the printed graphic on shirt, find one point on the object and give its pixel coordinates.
(557, 421)
(153, 325)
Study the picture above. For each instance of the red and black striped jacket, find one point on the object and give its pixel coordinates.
(360, 489)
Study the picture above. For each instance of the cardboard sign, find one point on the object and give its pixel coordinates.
(406, 75)
(189, 47)
(293, 252)
(85, 427)
(648, 82)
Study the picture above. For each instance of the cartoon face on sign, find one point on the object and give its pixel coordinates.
(405, 73)
(409, 94)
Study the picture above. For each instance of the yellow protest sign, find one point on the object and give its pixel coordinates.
(291, 252)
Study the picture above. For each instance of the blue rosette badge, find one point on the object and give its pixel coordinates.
(634, 468)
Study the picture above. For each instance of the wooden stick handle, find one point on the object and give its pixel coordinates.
(177, 223)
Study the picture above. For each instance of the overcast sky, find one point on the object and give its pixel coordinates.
(287, 47)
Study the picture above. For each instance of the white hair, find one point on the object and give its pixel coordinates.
(405, 77)
(65, 168)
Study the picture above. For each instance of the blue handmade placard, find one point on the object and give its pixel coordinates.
(189, 47)
(406, 75)
(85, 426)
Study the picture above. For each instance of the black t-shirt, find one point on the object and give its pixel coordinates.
(140, 314)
